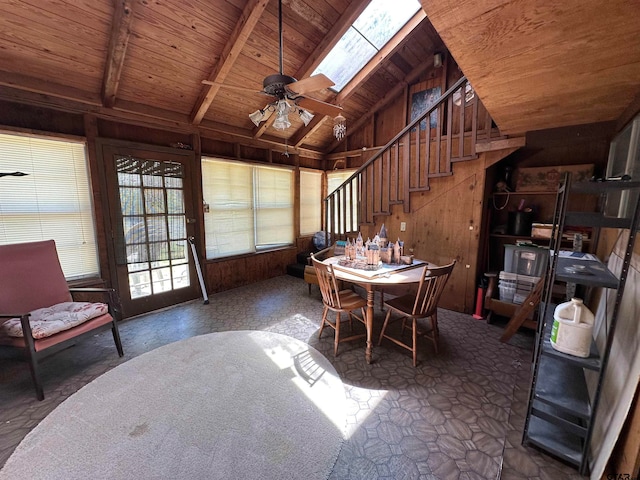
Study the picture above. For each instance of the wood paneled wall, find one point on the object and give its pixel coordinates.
(444, 225)
(445, 222)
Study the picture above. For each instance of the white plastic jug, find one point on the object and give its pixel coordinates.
(572, 328)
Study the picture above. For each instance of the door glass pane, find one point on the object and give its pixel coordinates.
(177, 227)
(175, 201)
(154, 200)
(153, 225)
(180, 274)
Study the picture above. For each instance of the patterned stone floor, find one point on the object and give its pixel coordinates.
(458, 415)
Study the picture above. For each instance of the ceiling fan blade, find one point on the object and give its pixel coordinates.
(311, 84)
(318, 106)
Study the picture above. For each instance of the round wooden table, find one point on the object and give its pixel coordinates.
(387, 275)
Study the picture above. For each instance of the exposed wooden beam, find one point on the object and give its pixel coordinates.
(120, 33)
(352, 153)
(390, 95)
(301, 135)
(383, 54)
(144, 116)
(501, 144)
(26, 83)
(259, 131)
(225, 133)
(246, 23)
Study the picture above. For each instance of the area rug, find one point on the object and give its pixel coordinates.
(231, 405)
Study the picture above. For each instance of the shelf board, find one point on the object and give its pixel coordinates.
(569, 423)
(563, 386)
(533, 239)
(554, 440)
(592, 362)
(536, 193)
(603, 187)
(508, 235)
(595, 274)
(595, 219)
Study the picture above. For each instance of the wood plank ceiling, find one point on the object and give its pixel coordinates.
(540, 64)
(535, 64)
(147, 59)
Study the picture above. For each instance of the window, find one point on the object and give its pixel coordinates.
(53, 201)
(247, 207)
(624, 159)
(371, 31)
(336, 178)
(310, 202)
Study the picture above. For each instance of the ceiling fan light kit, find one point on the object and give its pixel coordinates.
(306, 116)
(257, 117)
(282, 108)
(282, 115)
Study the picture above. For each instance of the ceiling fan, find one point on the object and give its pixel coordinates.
(289, 94)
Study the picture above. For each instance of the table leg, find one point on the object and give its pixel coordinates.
(369, 322)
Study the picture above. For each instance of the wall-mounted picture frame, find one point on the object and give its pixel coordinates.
(421, 101)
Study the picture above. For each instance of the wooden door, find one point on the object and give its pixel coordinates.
(151, 217)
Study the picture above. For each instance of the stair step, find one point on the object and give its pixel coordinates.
(499, 144)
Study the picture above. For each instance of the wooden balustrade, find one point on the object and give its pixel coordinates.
(426, 148)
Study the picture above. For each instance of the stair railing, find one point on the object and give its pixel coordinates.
(427, 147)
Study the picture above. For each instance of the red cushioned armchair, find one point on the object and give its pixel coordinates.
(37, 312)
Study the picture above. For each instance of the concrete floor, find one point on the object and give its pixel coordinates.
(458, 415)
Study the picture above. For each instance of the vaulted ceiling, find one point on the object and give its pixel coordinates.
(149, 58)
(535, 64)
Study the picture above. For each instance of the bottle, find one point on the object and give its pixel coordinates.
(572, 328)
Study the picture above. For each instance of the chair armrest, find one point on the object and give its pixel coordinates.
(14, 315)
(112, 298)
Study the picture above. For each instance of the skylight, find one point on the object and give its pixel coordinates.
(375, 26)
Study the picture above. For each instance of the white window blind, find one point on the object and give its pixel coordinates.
(274, 206)
(53, 201)
(228, 191)
(249, 207)
(335, 178)
(310, 202)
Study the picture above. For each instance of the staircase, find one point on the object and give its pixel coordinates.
(446, 133)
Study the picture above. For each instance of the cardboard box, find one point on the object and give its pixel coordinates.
(541, 230)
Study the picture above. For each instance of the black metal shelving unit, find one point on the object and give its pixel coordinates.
(561, 411)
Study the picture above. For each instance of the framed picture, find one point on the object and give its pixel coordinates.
(421, 101)
(546, 179)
